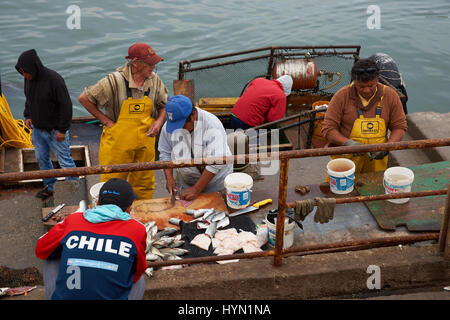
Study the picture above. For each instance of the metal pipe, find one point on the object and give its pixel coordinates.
(306, 250)
(357, 47)
(282, 193)
(157, 165)
(252, 255)
(366, 242)
(383, 197)
(444, 238)
(221, 64)
(297, 115)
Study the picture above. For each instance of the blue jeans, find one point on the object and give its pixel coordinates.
(44, 142)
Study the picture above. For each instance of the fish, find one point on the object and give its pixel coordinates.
(164, 241)
(175, 221)
(202, 225)
(223, 223)
(174, 251)
(152, 257)
(218, 216)
(177, 243)
(211, 230)
(156, 251)
(151, 237)
(173, 267)
(208, 213)
(149, 272)
(148, 225)
(166, 232)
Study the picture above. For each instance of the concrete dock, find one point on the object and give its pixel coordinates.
(417, 268)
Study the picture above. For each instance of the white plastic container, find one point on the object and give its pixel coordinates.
(94, 191)
(288, 239)
(239, 189)
(398, 179)
(342, 175)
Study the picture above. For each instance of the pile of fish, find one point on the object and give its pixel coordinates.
(163, 245)
(209, 219)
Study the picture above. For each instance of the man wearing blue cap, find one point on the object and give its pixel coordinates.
(190, 132)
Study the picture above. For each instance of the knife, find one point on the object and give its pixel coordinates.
(53, 212)
(172, 198)
(251, 208)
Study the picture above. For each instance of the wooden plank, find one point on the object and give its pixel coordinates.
(224, 102)
(184, 87)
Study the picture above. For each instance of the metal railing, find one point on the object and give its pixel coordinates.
(284, 156)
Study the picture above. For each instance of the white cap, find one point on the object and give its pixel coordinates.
(286, 81)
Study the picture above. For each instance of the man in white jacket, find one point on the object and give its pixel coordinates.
(189, 133)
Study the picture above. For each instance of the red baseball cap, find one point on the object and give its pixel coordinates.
(144, 52)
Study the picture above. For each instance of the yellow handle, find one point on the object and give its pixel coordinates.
(262, 203)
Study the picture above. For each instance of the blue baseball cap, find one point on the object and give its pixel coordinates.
(178, 108)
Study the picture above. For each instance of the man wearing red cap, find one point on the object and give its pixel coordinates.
(133, 99)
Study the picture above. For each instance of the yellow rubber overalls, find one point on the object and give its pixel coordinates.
(367, 131)
(126, 142)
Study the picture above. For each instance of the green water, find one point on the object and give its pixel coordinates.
(414, 33)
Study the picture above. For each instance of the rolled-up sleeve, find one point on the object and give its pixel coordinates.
(100, 93)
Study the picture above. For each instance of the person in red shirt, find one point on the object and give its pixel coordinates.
(262, 102)
(98, 253)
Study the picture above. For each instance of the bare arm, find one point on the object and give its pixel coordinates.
(157, 124)
(194, 191)
(95, 111)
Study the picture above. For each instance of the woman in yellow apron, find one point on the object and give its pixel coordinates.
(126, 142)
(367, 131)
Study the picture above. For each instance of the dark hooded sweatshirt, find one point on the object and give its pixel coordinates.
(48, 103)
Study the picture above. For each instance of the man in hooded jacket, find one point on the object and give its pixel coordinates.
(48, 111)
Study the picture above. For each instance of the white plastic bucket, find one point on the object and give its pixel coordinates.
(342, 175)
(94, 191)
(398, 179)
(239, 189)
(288, 239)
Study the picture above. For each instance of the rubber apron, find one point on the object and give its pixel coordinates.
(126, 142)
(368, 131)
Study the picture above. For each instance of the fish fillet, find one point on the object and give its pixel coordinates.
(202, 241)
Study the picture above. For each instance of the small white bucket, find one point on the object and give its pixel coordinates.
(239, 189)
(398, 179)
(288, 239)
(342, 175)
(94, 191)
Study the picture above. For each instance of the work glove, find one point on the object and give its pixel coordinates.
(351, 142)
(378, 155)
(325, 210)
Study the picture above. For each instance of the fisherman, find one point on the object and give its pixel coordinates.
(98, 254)
(262, 102)
(48, 112)
(134, 99)
(189, 133)
(362, 113)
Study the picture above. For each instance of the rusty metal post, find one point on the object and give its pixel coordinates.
(282, 193)
(444, 235)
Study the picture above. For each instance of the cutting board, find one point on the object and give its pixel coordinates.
(418, 214)
(161, 210)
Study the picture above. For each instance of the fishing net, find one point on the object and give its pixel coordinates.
(228, 75)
